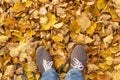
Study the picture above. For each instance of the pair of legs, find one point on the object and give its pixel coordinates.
(77, 63)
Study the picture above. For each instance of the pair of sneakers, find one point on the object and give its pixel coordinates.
(77, 61)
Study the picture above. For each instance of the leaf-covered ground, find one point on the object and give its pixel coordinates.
(59, 25)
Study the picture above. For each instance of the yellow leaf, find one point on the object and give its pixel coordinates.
(75, 26)
(10, 70)
(51, 21)
(104, 66)
(73, 35)
(18, 7)
(114, 49)
(19, 35)
(3, 38)
(57, 38)
(91, 29)
(105, 53)
(30, 33)
(19, 77)
(109, 60)
(58, 25)
(28, 3)
(108, 39)
(101, 4)
(37, 76)
(30, 76)
(88, 39)
(114, 15)
(1, 74)
(30, 66)
(84, 22)
(10, 22)
(59, 61)
(44, 1)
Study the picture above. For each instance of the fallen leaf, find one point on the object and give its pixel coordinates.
(75, 26)
(117, 73)
(30, 66)
(44, 1)
(88, 39)
(18, 7)
(91, 29)
(3, 38)
(0, 75)
(10, 70)
(116, 60)
(108, 39)
(51, 21)
(105, 53)
(59, 61)
(82, 21)
(104, 66)
(92, 67)
(19, 77)
(58, 25)
(28, 3)
(109, 60)
(101, 4)
(57, 38)
(10, 22)
(30, 76)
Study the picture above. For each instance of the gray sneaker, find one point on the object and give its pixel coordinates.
(43, 59)
(78, 58)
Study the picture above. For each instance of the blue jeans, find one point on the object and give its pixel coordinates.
(72, 74)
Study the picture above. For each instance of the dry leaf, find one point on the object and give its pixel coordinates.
(18, 7)
(108, 39)
(116, 60)
(105, 53)
(117, 73)
(57, 38)
(88, 39)
(51, 21)
(10, 70)
(43, 10)
(75, 26)
(101, 4)
(44, 1)
(92, 67)
(59, 61)
(58, 25)
(0, 76)
(109, 60)
(91, 29)
(28, 3)
(3, 38)
(10, 22)
(30, 66)
(104, 66)
(84, 22)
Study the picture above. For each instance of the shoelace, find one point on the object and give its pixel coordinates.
(77, 64)
(47, 64)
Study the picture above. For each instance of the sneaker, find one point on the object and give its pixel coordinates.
(43, 59)
(78, 58)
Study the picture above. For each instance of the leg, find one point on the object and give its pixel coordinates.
(74, 74)
(50, 74)
(45, 64)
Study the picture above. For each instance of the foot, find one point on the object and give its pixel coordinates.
(43, 59)
(78, 58)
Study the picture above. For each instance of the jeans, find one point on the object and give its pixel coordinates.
(72, 74)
